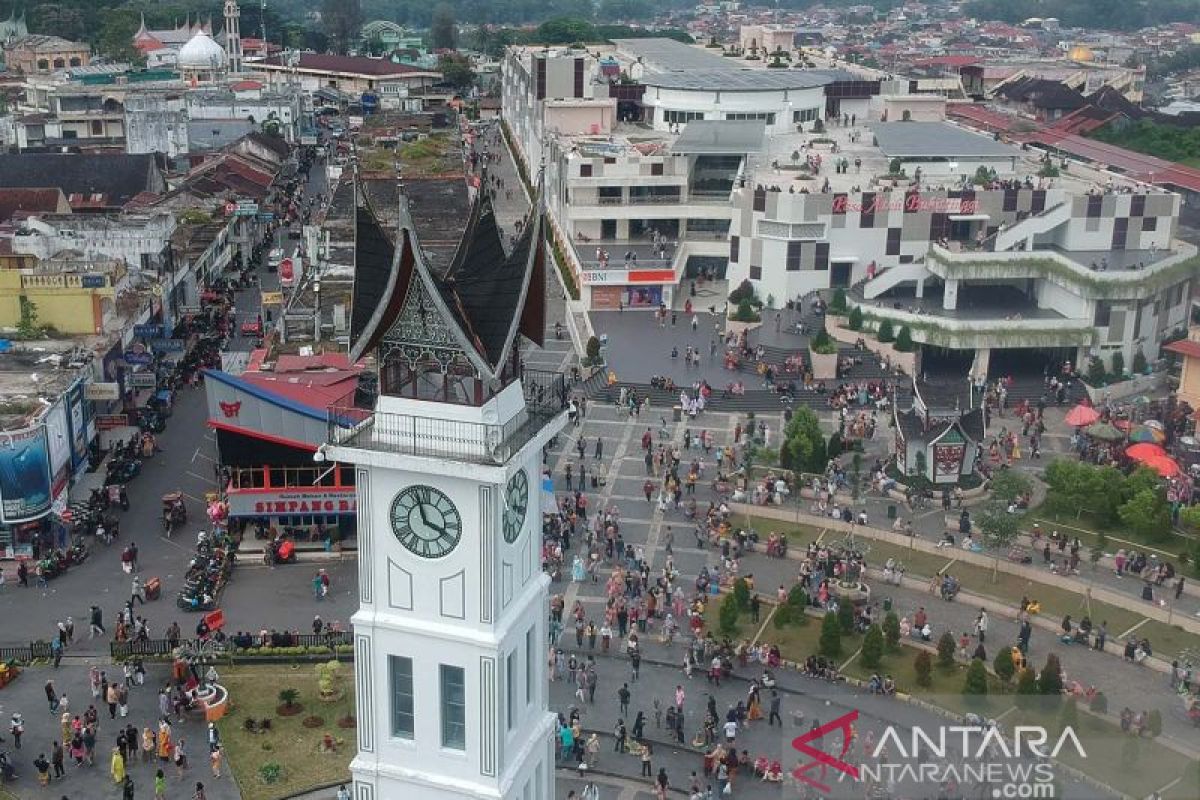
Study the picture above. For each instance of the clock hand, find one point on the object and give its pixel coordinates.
(424, 517)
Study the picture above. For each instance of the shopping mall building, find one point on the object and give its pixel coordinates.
(667, 164)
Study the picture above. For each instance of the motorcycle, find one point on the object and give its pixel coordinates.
(174, 512)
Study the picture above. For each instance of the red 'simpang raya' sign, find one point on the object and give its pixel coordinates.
(291, 502)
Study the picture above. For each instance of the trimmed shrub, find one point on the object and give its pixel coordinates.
(1050, 678)
(891, 630)
(1099, 703)
(741, 594)
(845, 617)
(945, 650)
(1027, 688)
(1003, 664)
(872, 647)
(975, 684)
(855, 320)
(830, 644)
(727, 616)
(904, 342)
(885, 333)
(838, 303)
(923, 667)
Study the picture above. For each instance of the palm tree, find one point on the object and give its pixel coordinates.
(288, 697)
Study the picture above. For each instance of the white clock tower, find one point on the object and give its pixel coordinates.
(450, 635)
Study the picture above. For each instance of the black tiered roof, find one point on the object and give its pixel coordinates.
(482, 302)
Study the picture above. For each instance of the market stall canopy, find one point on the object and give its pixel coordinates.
(1145, 450)
(1164, 466)
(1144, 433)
(1104, 432)
(1082, 415)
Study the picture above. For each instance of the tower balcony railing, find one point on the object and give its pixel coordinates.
(433, 437)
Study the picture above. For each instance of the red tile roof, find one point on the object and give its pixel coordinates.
(1136, 165)
(359, 65)
(245, 86)
(28, 200)
(1185, 347)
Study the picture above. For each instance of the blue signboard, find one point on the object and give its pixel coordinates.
(139, 358)
(166, 345)
(93, 281)
(148, 331)
(24, 474)
(369, 102)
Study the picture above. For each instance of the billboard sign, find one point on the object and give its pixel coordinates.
(24, 474)
(101, 391)
(77, 424)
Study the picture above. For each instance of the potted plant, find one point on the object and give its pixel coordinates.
(822, 355)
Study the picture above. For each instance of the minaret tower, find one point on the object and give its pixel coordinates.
(450, 633)
(233, 35)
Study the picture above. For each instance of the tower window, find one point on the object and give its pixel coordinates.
(454, 707)
(400, 672)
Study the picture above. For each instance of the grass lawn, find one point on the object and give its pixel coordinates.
(1168, 640)
(254, 692)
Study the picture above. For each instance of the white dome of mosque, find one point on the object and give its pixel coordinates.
(201, 53)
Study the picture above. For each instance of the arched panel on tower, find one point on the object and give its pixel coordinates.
(454, 595)
(365, 563)
(400, 587)
(506, 583)
(527, 560)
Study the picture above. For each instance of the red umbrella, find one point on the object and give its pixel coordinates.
(1145, 451)
(1082, 415)
(1163, 465)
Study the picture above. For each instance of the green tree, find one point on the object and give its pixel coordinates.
(999, 530)
(975, 684)
(115, 39)
(830, 644)
(1075, 486)
(1099, 703)
(1099, 545)
(885, 333)
(58, 19)
(855, 320)
(872, 647)
(457, 72)
(945, 650)
(1003, 664)
(798, 597)
(784, 616)
(904, 342)
(443, 32)
(741, 594)
(1147, 515)
(1049, 681)
(727, 615)
(891, 630)
(837, 303)
(592, 355)
(923, 667)
(1096, 372)
(563, 30)
(342, 21)
(803, 448)
(1008, 485)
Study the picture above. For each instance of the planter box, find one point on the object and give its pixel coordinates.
(737, 327)
(837, 327)
(1116, 392)
(824, 367)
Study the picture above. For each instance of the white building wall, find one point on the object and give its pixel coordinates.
(720, 104)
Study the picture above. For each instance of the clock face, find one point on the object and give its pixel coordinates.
(516, 503)
(426, 521)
